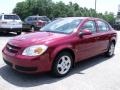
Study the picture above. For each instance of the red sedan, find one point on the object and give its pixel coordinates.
(59, 45)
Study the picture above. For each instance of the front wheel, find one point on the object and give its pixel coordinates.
(111, 50)
(62, 64)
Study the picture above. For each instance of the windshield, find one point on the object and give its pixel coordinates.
(64, 25)
(14, 17)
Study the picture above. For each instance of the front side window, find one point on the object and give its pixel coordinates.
(89, 25)
(102, 26)
(62, 25)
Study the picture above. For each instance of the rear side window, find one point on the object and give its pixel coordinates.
(29, 19)
(13, 17)
(35, 18)
(90, 25)
(102, 26)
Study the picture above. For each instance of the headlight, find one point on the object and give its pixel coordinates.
(34, 50)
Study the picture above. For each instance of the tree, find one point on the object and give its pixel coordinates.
(59, 9)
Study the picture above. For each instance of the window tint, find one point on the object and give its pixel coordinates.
(90, 25)
(35, 18)
(102, 26)
(29, 19)
(14, 17)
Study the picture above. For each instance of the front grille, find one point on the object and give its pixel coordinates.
(8, 63)
(25, 68)
(12, 49)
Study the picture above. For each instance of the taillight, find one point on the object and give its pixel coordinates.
(40, 23)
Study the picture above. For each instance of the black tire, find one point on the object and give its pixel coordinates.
(110, 52)
(55, 71)
(6, 33)
(32, 28)
(18, 33)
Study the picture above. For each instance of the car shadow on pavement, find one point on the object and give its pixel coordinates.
(25, 80)
(7, 34)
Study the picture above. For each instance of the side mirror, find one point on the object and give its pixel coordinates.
(85, 32)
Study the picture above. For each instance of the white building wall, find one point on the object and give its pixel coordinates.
(119, 8)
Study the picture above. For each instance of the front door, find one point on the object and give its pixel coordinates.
(87, 45)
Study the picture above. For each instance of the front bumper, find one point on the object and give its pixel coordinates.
(27, 64)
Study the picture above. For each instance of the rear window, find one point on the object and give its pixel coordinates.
(14, 17)
(43, 18)
(31, 18)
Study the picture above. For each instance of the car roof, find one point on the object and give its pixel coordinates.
(7, 14)
(37, 16)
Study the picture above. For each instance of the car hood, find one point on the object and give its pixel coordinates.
(36, 38)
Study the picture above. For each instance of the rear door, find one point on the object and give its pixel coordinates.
(104, 35)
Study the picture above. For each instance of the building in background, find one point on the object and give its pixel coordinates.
(117, 20)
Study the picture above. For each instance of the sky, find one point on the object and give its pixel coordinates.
(6, 6)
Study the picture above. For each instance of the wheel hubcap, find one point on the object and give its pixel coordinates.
(111, 50)
(64, 64)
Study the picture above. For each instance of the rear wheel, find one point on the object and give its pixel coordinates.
(32, 28)
(62, 64)
(111, 49)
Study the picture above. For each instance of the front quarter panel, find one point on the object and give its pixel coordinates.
(60, 48)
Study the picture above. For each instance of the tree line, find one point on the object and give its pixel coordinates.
(59, 9)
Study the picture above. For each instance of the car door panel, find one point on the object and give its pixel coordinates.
(87, 47)
(104, 36)
(88, 44)
(103, 42)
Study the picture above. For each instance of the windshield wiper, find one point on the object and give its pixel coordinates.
(48, 31)
(53, 31)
